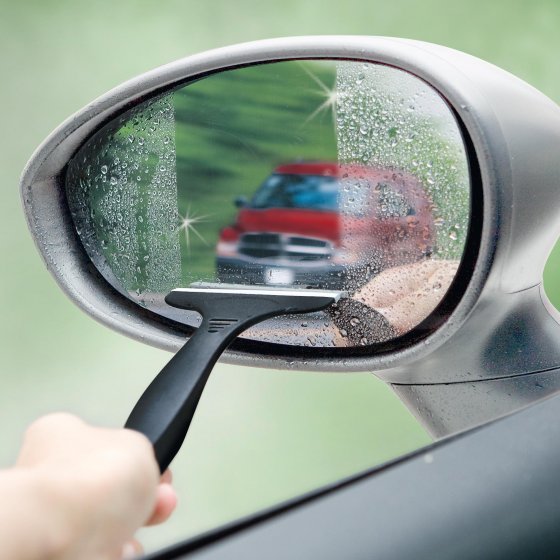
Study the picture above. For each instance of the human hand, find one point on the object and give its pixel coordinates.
(79, 491)
(166, 500)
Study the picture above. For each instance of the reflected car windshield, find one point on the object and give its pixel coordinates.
(314, 192)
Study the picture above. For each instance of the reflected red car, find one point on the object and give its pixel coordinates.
(321, 223)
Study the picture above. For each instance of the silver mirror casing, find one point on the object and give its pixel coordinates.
(496, 322)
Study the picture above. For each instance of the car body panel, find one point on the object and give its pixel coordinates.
(490, 493)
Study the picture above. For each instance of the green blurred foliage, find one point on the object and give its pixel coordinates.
(260, 436)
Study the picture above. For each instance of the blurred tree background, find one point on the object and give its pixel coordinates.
(260, 436)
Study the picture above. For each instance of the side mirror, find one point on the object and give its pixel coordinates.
(404, 186)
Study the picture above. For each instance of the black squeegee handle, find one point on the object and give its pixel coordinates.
(165, 410)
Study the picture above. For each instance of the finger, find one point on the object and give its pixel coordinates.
(166, 501)
(167, 477)
(131, 549)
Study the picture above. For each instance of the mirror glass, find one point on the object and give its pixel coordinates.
(303, 173)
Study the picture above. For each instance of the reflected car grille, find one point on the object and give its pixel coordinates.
(289, 247)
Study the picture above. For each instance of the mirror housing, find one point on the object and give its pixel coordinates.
(495, 326)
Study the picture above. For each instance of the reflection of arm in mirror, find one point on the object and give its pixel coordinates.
(393, 302)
